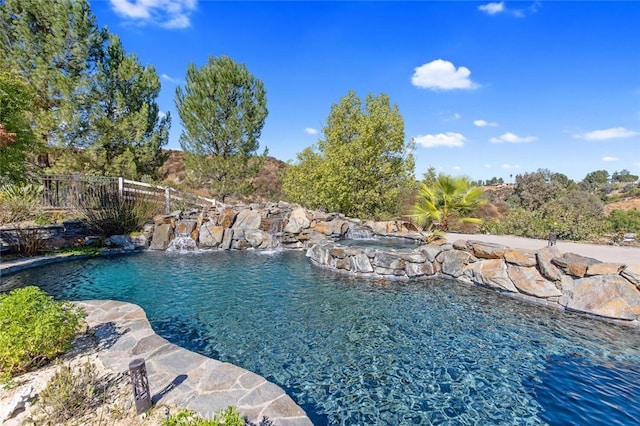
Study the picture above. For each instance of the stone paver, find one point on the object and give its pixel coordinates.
(181, 377)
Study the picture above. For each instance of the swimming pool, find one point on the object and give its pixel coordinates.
(352, 351)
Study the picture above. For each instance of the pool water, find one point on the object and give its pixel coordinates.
(359, 352)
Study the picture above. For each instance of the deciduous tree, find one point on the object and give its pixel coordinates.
(222, 108)
(363, 167)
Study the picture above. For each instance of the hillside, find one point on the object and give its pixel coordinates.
(268, 183)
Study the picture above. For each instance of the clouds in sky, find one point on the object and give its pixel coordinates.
(165, 13)
(442, 75)
(496, 8)
(170, 79)
(606, 134)
(310, 131)
(450, 139)
(484, 123)
(507, 166)
(512, 138)
(609, 158)
(492, 8)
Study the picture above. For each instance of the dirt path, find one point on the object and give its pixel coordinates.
(617, 254)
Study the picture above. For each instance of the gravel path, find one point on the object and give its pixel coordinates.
(617, 254)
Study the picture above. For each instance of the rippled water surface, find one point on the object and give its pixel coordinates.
(360, 352)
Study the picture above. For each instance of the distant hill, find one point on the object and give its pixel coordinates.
(268, 183)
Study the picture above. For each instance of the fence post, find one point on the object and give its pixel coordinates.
(121, 187)
(167, 200)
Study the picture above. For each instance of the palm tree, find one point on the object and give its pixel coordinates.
(445, 198)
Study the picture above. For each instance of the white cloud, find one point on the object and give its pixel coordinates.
(168, 78)
(311, 131)
(457, 116)
(492, 8)
(442, 75)
(449, 139)
(606, 134)
(512, 138)
(484, 123)
(609, 159)
(161, 115)
(456, 168)
(165, 13)
(510, 166)
(487, 166)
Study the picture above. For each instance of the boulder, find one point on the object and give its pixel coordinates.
(419, 269)
(460, 245)
(298, 221)
(333, 228)
(258, 238)
(162, 236)
(487, 250)
(410, 255)
(360, 263)
(492, 273)
(184, 228)
(548, 270)
(210, 236)
(227, 239)
(123, 241)
(320, 253)
(431, 251)
(387, 260)
(529, 281)
(609, 296)
(454, 262)
(632, 273)
(574, 264)
(248, 219)
(227, 217)
(605, 268)
(526, 258)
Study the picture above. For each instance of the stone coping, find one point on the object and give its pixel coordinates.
(181, 377)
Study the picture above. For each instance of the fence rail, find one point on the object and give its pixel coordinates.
(65, 192)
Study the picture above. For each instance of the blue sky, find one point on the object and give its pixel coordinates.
(485, 88)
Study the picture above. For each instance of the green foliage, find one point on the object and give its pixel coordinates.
(87, 92)
(533, 190)
(19, 202)
(625, 221)
(108, 214)
(222, 108)
(624, 176)
(53, 45)
(16, 107)
(596, 179)
(362, 168)
(69, 393)
(445, 199)
(34, 329)
(227, 417)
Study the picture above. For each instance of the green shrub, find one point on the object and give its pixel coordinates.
(227, 417)
(625, 221)
(19, 202)
(69, 394)
(34, 329)
(109, 214)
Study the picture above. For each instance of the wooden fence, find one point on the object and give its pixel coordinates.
(63, 192)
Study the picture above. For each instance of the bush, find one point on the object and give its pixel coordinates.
(227, 417)
(19, 202)
(109, 214)
(34, 329)
(69, 394)
(25, 241)
(625, 221)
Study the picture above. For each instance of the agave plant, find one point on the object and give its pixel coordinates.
(444, 198)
